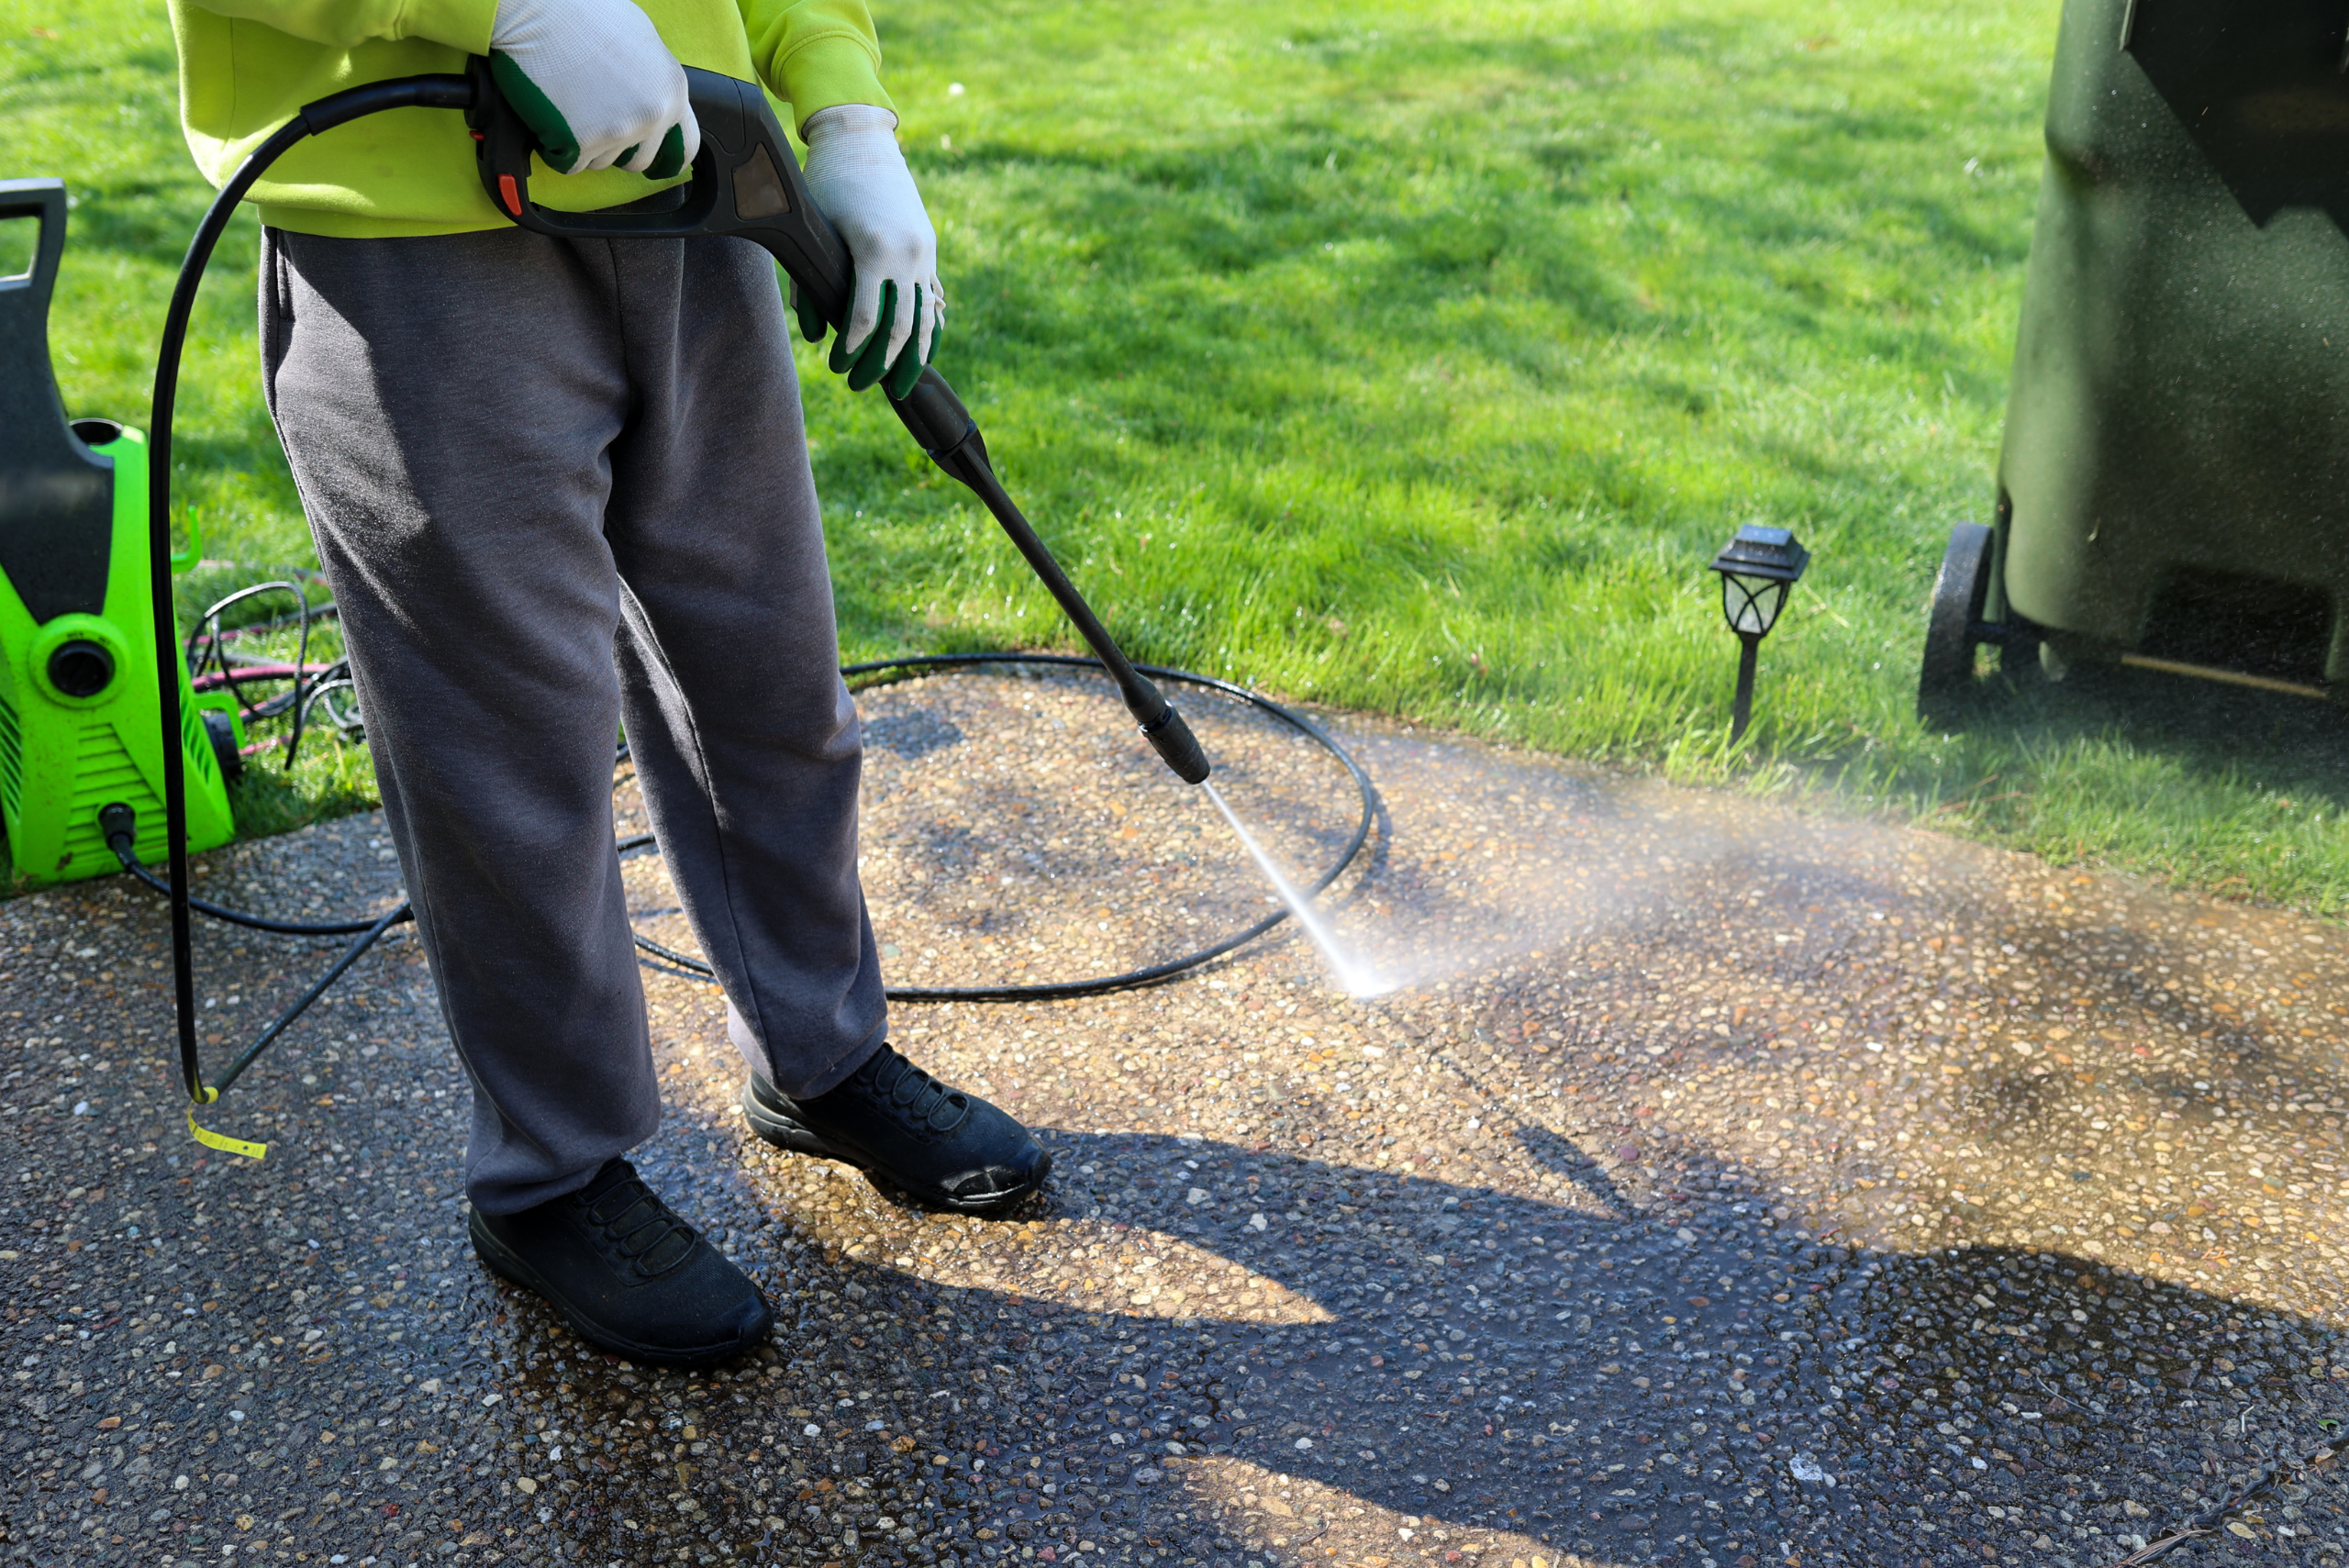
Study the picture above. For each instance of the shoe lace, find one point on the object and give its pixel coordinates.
(918, 1099)
(641, 1230)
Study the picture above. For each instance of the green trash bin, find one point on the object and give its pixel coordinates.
(2174, 482)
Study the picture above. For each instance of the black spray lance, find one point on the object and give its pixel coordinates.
(746, 183)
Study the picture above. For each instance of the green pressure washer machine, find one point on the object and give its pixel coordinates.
(80, 707)
(2173, 489)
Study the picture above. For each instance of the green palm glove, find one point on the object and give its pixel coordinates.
(595, 84)
(897, 310)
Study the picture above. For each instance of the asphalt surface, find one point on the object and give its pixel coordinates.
(1720, 1184)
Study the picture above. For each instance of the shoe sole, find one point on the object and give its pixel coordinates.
(508, 1265)
(800, 1139)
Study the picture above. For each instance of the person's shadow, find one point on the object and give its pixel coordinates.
(1670, 1387)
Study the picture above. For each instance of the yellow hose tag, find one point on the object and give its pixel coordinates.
(221, 1141)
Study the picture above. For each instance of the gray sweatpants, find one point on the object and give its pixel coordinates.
(560, 486)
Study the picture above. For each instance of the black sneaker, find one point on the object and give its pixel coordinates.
(897, 1122)
(628, 1276)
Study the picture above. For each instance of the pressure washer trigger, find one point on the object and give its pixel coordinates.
(502, 142)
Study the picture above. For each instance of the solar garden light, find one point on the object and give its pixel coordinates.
(1758, 570)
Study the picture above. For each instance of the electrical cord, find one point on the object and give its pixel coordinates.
(285, 1020)
(233, 673)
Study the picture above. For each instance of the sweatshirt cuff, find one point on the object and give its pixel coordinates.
(460, 24)
(828, 69)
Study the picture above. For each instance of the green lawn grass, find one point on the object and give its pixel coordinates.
(1408, 358)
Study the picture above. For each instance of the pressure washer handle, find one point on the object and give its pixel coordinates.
(25, 300)
(746, 183)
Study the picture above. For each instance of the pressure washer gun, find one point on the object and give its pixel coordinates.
(746, 183)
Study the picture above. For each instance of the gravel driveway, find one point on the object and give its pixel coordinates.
(1720, 1183)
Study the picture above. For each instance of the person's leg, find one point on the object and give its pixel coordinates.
(447, 404)
(747, 741)
(742, 733)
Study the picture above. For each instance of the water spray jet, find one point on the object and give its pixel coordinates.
(1355, 977)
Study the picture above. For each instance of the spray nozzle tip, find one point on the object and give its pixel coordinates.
(1178, 747)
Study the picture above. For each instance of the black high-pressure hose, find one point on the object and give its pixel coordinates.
(438, 92)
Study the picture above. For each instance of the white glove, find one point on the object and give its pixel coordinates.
(595, 84)
(859, 181)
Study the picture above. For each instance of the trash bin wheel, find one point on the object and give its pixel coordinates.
(1946, 683)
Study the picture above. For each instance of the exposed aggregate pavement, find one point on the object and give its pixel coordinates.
(1722, 1186)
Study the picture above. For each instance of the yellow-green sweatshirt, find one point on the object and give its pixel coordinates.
(246, 65)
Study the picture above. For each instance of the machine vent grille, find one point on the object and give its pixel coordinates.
(197, 743)
(103, 773)
(12, 761)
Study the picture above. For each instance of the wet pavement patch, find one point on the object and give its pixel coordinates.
(1725, 1185)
